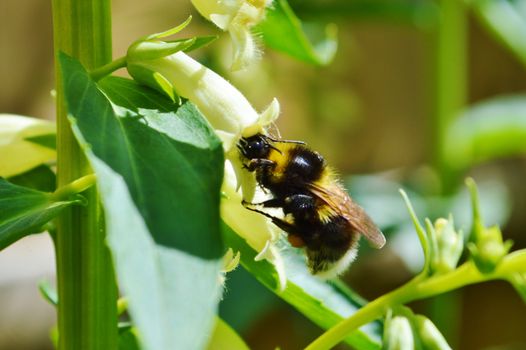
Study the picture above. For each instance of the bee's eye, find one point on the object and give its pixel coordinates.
(255, 147)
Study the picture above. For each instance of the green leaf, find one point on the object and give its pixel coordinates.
(48, 292)
(159, 169)
(200, 41)
(488, 130)
(128, 339)
(41, 178)
(506, 20)
(322, 303)
(225, 338)
(18, 154)
(46, 140)
(315, 44)
(24, 211)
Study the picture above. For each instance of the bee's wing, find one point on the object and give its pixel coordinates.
(340, 203)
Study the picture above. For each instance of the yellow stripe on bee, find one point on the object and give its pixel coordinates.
(325, 214)
(281, 160)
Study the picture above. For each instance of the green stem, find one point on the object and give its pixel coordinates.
(418, 288)
(87, 311)
(109, 68)
(77, 186)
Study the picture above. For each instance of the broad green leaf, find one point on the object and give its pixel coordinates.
(488, 130)
(225, 338)
(18, 154)
(41, 178)
(283, 31)
(24, 211)
(322, 303)
(159, 168)
(506, 20)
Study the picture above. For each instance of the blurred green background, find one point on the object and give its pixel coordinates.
(384, 113)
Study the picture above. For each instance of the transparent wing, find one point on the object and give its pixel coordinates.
(340, 203)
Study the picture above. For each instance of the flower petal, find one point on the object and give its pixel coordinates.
(18, 154)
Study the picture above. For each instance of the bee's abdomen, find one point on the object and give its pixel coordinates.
(333, 238)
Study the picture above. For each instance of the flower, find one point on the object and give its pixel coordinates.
(237, 17)
(232, 117)
(19, 154)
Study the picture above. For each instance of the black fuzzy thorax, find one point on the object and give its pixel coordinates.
(301, 166)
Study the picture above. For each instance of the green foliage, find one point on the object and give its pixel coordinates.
(423, 13)
(41, 178)
(128, 338)
(225, 338)
(429, 282)
(24, 211)
(319, 48)
(46, 140)
(488, 130)
(159, 167)
(318, 301)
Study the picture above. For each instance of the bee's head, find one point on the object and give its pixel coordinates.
(255, 147)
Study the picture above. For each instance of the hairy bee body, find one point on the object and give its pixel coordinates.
(319, 215)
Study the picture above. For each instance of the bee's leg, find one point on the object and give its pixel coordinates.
(271, 203)
(282, 224)
(292, 230)
(254, 164)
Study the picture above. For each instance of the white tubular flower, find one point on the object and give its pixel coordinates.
(19, 154)
(236, 17)
(227, 110)
(232, 117)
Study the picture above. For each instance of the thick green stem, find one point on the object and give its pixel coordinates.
(450, 81)
(419, 288)
(87, 314)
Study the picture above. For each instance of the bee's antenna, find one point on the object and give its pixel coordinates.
(286, 141)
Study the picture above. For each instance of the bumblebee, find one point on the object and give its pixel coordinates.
(319, 215)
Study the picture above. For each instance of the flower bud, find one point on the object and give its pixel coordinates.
(398, 334)
(429, 335)
(449, 246)
(488, 249)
